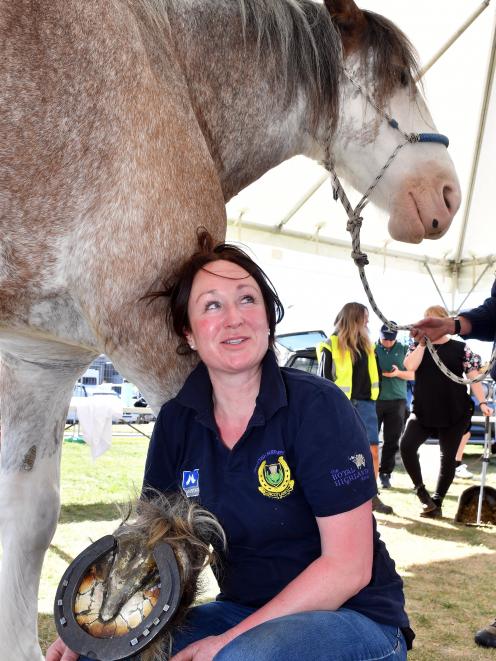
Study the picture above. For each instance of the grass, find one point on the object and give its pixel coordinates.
(447, 568)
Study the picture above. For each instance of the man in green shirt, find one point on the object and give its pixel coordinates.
(391, 403)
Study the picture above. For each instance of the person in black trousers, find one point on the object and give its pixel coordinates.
(441, 409)
(391, 403)
(480, 324)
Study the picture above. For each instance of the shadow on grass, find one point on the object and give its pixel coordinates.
(74, 513)
(62, 554)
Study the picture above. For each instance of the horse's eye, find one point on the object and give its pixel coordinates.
(404, 78)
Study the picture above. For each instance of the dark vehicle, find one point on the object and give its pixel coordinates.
(304, 359)
(298, 349)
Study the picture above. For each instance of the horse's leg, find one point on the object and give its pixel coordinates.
(34, 401)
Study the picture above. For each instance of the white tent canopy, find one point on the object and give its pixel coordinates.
(291, 208)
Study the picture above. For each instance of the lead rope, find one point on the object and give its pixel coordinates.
(355, 220)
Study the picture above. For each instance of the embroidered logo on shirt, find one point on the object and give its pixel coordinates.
(191, 483)
(275, 478)
(358, 460)
(358, 471)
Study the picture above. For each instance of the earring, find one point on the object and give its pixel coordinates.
(192, 347)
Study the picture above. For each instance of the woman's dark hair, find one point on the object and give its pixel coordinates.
(178, 286)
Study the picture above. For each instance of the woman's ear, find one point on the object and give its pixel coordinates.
(189, 339)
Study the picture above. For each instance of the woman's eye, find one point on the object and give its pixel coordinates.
(248, 299)
(212, 305)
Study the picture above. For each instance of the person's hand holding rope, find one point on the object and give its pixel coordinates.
(434, 327)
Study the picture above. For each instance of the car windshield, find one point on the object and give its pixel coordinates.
(296, 341)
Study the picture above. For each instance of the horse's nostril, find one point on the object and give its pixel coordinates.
(435, 223)
(447, 192)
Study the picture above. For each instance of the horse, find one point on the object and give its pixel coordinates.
(124, 126)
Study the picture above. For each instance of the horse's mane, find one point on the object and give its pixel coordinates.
(307, 43)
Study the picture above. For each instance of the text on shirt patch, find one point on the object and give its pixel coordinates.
(275, 478)
(191, 483)
(344, 476)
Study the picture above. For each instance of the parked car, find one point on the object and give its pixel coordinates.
(304, 359)
(78, 392)
(298, 349)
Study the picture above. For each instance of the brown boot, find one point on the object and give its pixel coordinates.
(428, 505)
(380, 507)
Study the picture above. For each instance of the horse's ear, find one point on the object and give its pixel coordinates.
(349, 20)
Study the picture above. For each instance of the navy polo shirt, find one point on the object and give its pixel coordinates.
(304, 454)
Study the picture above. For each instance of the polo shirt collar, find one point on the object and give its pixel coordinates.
(197, 392)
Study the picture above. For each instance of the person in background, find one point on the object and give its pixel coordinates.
(479, 324)
(281, 459)
(348, 359)
(391, 403)
(442, 409)
(461, 470)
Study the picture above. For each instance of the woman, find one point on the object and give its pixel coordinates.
(348, 359)
(279, 457)
(441, 409)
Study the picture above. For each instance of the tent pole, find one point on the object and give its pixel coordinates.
(451, 40)
(473, 287)
(302, 201)
(478, 145)
(435, 284)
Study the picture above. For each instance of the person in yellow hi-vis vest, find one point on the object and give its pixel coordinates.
(348, 359)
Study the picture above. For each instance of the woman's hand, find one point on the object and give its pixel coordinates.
(433, 328)
(486, 409)
(58, 651)
(202, 650)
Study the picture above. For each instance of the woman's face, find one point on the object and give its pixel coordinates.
(229, 326)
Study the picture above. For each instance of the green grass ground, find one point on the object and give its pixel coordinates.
(448, 568)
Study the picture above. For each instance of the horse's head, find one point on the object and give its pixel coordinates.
(119, 591)
(420, 189)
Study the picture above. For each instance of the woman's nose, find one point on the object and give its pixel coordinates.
(233, 316)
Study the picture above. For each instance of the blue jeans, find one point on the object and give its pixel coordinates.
(368, 415)
(342, 635)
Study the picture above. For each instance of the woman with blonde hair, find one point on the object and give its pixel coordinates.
(348, 358)
(441, 409)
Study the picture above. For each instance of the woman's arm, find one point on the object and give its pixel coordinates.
(396, 373)
(478, 391)
(414, 358)
(343, 569)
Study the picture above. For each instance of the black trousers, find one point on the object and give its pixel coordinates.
(390, 415)
(449, 439)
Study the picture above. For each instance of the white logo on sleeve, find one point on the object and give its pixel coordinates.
(191, 483)
(358, 460)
